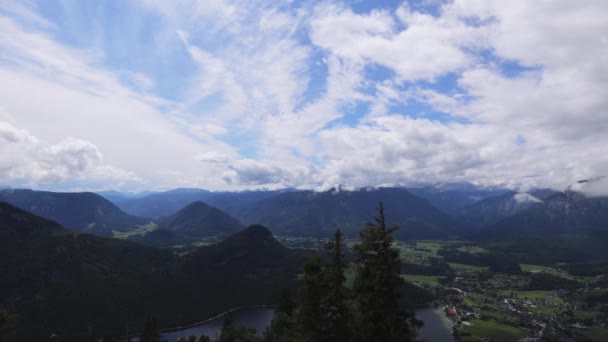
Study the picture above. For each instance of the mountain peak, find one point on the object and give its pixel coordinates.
(198, 219)
(258, 231)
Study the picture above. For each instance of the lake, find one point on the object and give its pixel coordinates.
(436, 327)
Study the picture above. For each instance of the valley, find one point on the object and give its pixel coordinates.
(201, 260)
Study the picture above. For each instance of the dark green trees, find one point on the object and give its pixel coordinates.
(378, 316)
(282, 327)
(8, 327)
(151, 330)
(232, 332)
(308, 315)
(325, 313)
(333, 306)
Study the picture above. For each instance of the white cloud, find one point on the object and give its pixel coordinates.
(25, 157)
(523, 197)
(316, 95)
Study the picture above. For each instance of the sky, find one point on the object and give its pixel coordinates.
(232, 95)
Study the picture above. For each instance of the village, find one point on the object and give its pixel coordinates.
(500, 307)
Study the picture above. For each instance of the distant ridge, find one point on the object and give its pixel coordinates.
(309, 213)
(198, 220)
(164, 203)
(82, 211)
(493, 209)
(562, 213)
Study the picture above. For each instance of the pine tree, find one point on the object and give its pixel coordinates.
(377, 285)
(286, 303)
(334, 310)
(151, 329)
(308, 316)
(232, 332)
(282, 326)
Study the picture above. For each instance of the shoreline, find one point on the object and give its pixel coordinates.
(197, 323)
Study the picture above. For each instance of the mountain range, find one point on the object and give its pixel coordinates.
(185, 215)
(81, 212)
(561, 213)
(493, 209)
(309, 213)
(80, 287)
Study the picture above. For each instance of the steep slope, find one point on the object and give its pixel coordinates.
(308, 213)
(451, 199)
(198, 220)
(164, 203)
(51, 277)
(247, 252)
(563, 213)
(235, 202)
(494, 209)
(83, 212)
(160, 238)
(586, 248)
(82, 287)
(118, 198)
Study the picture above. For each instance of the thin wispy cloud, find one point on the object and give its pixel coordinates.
(232, 95)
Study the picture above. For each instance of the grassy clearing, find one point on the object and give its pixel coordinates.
(494, 330)
(544, 269)
(433, 280)
(534, 294)
(581, 314)
(349, 274)
(471, 249)
(139, 230)
(597, 334)
(469, 268)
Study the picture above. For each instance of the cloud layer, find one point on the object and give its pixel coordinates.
(224, 94)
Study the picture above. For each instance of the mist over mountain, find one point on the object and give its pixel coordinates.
(493, 209)
(163, 203)
(562, 213)
(450, 199)
(83, 212)
(308, 213)
(118, 197)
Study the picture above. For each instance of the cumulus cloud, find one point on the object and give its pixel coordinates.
(25, 157)
(314, 95)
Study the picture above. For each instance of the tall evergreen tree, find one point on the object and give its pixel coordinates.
(151, 329)
(8, 327)
(232, 332)
(308, 316)
(286, 303)
(281, 327)
(334, 310)
(377, 285)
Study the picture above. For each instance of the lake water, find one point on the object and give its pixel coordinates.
(256, 318)
(436, 325)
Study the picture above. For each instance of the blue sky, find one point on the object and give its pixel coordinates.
(230, 95)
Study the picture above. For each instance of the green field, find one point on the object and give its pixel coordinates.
(433, 280)
(139, 230)
(469, 268)
(597, 334)
(544, 269)
(471, 249)
(533, 294)
(495, 331)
